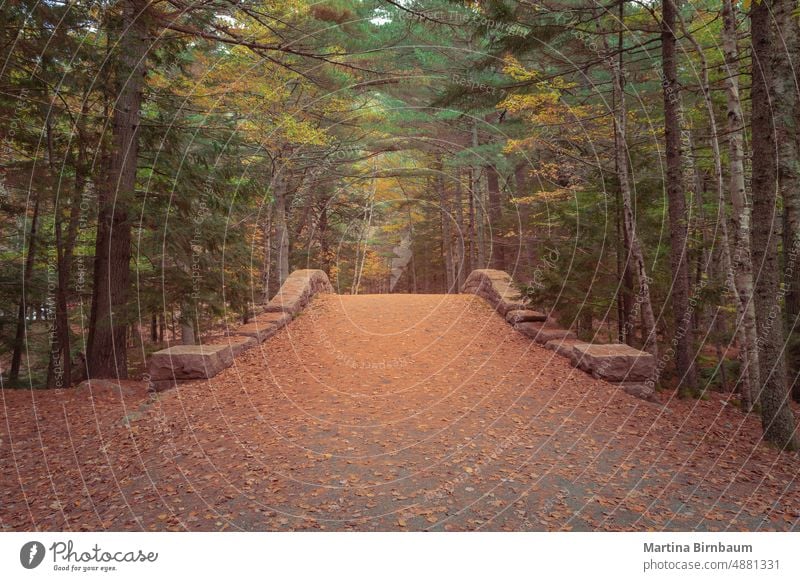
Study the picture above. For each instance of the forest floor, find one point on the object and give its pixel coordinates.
(389, 412)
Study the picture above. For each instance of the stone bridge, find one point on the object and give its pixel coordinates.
(619, 364)
(389, 412)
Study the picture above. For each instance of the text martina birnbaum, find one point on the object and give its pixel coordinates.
(696, 548)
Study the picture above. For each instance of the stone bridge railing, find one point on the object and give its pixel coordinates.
(615, 363)
(169, 367)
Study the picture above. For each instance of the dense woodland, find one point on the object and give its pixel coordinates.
(166, 164)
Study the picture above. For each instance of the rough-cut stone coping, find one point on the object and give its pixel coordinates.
(497, 288)
(297, 290)
(543, 332)
(615, 362)
(264, 326)
(238, 344)
(564, 347)
(525, 316)
(170, 367)
(189, 362)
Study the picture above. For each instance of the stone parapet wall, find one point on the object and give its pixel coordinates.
(497, 288)
(170, 367)
(616, 363)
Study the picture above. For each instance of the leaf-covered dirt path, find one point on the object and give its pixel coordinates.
(389, 412)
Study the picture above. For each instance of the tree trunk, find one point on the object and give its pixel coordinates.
(697, 259)
(746, 385)
(187, 326)
(684, 332)
(413, 263)
(625, 315)
(322, 232)
(477, 204)
(60, 349)
(741, 260)
(785, 60)
(497, 249)
(523, 258)
(266, 267)
(281, 229)
(59, 365)
(776, 416)
(19, 336)
(628, 218)
(472, 249)
(107, 343)
(459, 241)
(447, 243)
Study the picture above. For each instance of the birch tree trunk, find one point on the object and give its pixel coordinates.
(746, 341)
(628, 218)
(741, 259)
